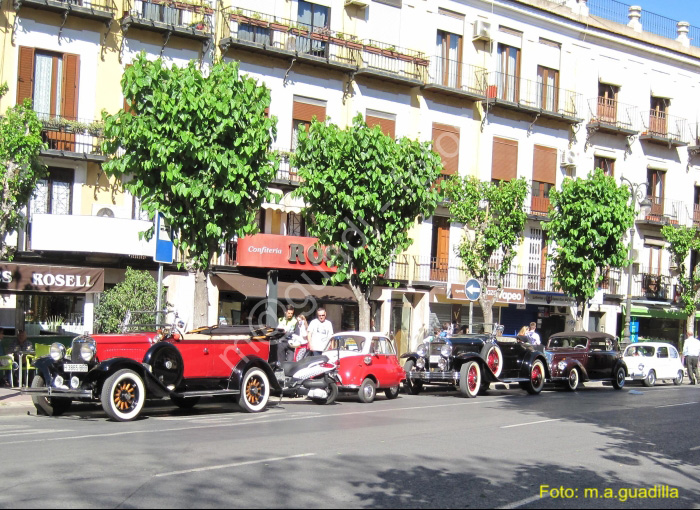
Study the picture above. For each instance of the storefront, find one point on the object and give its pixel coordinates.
(48, 298)
(657, 323)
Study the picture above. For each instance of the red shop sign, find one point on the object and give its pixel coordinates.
(283, 252)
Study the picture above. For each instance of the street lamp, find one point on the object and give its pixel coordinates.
(637, 197)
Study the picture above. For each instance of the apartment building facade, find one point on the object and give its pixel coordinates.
(540, 89)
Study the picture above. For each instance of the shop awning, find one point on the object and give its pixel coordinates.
(658, 313)
(252, 287)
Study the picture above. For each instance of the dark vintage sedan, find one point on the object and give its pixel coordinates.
(580, 356)
(474, 361)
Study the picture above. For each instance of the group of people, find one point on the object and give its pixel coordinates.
(313, 335)
(530, 334)
(19, 345)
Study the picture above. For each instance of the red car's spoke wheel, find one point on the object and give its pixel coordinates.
(123, 395)
(255, 390)
(470, 379)
(537, 375)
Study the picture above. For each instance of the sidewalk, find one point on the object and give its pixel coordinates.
(12, 403)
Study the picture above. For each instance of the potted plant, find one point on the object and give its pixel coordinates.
(279, 26)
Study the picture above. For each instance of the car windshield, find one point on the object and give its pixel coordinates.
(145, 321)
(346, 343)
(640, 350)
(568, 341)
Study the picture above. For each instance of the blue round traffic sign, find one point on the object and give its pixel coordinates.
(472, 289)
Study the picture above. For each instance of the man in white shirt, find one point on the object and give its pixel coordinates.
(533, 335)
(691, 351)
(319, 332)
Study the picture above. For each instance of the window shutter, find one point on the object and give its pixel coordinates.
(25, 74)
(504, 166)
(387, 126)
(544, 167)
(71, 77)
(306, 112)
(446, 144)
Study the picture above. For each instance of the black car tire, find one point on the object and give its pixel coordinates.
(368, 391)
(619, 380)
(392, 393)
(332, 395)
(470, 379)
(493, 356)
(49, 406)
(255, 391)
(650, 379)
(123, 395)
(572, 381)
(412, 387)
(679, 378)
(537, 375)
(184, 403)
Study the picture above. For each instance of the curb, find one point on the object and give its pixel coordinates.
(20, 408)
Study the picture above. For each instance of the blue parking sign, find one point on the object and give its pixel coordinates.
(164, 244)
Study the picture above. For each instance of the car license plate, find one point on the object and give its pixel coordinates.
(75, 367)
(434, 358)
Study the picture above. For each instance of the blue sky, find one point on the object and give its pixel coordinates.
(679, 10)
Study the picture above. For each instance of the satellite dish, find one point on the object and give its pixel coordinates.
(106, 212)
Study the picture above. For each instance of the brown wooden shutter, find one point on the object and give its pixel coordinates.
(25, 74)
(71, 77)
(306, 112)
(446, 144)
(505, 159)
(388, 126)
(544, 166)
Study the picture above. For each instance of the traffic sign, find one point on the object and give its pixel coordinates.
(472, 289)
(164, 243)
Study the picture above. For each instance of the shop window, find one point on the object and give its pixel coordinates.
(54, 194)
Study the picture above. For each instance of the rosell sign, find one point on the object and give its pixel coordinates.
(37, 278)
(516, 296)
(283, 252)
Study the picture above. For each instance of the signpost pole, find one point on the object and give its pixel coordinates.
(163, 255)
(471, 315)
(160, 293)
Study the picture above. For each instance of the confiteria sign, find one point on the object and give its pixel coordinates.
(283, 252)
(35, 278)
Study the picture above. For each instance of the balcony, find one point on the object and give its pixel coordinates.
(666, 212)
(610, 116)
(89, 234)
(539, 203)
(271, 35)
(100, 10)
(664, 129)
(696, 215)
(456, 78)
(516, 93)
(286, 174)
(646, 285)
(192, 19)
(77, 139)
(694, 147)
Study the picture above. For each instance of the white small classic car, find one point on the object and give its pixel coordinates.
(652, 361)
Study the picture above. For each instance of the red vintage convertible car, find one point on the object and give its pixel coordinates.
(122, 371)
(368, 362)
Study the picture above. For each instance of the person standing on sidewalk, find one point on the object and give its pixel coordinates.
(691, 351)
(320, 331)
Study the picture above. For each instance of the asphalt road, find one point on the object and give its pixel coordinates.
(505, 449)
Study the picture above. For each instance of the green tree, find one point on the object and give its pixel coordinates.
(20, 166)
(138, 291)
(588, 221)
(364, 192)
(682, 240)
(493, 219)
(198, 148)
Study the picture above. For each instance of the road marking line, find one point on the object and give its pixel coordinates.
(694, 448)
(34, 431)
(272, 419)
(529, 423)
(523, 502)
(237, 464)
(675, 405)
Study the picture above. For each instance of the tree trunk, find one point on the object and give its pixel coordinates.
(580, 308)
(200, 317)
(362, 304)
(487, 309)
(689, 324)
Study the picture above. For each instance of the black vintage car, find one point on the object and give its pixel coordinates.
(474, 361)
(579, 356)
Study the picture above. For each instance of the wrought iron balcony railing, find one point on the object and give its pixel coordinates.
(72, 137)
(457, 75)
(193, 17)
(666, 211)
(611, 115)
(664, 128)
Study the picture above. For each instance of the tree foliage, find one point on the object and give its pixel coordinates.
(589, 219)
(364, 192)
(198, 149)
(138, 291)
(20, 165)
(493, 219)
(682, 240)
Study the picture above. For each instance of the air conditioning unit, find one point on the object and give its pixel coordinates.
(482, 30)
(106, 211)
(569, 158)
(359, 3)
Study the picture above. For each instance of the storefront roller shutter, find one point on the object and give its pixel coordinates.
(514, 319)
(544, 167)
(504, 166)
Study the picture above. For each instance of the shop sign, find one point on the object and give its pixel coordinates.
(283, 252)
(457, 291)
(550, 299)
(37, 278)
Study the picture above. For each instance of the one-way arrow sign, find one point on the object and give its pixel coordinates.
(472, 289)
